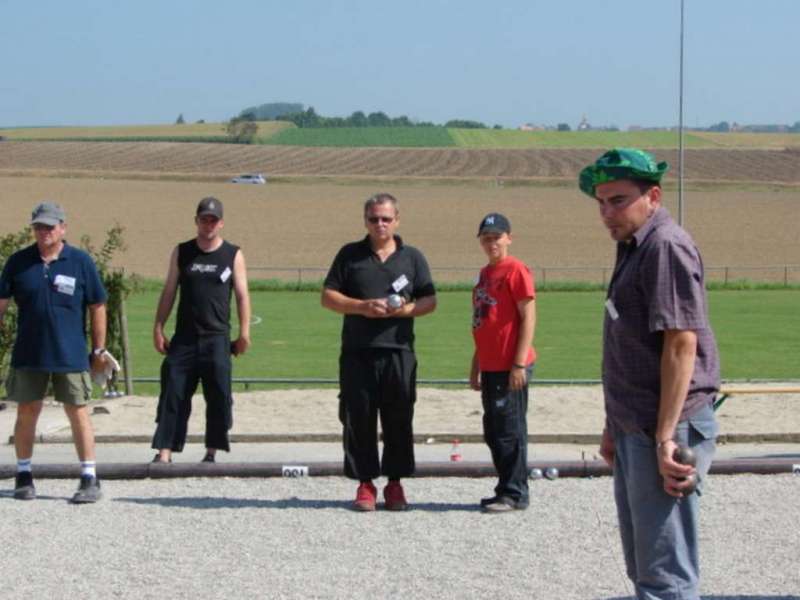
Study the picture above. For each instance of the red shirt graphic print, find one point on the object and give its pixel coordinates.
(495, 316)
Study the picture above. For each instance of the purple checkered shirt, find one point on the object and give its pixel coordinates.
(658, 284)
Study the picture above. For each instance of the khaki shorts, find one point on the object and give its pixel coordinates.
(31, 386)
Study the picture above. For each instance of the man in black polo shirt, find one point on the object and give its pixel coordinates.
(207, 269)
(379, 284)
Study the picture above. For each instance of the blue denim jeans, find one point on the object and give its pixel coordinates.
(659, 532)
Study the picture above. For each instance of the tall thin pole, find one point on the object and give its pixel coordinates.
(680, 130)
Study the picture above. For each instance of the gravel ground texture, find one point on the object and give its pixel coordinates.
(280, 538)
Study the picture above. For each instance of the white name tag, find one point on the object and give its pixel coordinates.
(400, 283)
(225, 274)
(612, 310)
(65, 284)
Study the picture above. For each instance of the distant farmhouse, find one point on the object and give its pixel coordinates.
(531, 127)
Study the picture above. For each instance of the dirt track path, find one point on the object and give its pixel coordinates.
(303, 225)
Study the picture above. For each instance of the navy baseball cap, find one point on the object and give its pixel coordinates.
(494, 223)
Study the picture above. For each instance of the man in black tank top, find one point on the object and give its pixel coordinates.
(207, 270)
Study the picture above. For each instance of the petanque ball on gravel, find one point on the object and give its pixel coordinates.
(536, 473)
(551, 473)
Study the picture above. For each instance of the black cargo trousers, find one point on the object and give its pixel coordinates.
(505, 430)
(205, 359)
(377, 383)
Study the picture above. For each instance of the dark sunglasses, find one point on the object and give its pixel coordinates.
(374, 220)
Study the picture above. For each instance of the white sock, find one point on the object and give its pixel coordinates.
(88, 467)
(24, 465)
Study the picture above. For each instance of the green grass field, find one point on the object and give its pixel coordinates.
(212, 132)
(284, 133)
(478, 138)
(412, 137)
(757, 332)
(749, 140)
(507, 138)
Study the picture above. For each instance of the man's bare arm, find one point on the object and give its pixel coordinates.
(345, 305)
(243, 310)
(517, 378)
(677, 365)
(165, 303)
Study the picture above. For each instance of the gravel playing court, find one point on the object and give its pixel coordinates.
(278, 538)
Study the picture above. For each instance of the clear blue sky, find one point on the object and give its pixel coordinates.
(509, 62)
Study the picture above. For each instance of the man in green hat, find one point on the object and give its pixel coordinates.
(660, 374)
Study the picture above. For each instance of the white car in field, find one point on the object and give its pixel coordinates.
(256, 178)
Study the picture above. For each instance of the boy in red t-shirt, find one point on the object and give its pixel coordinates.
(503, 321)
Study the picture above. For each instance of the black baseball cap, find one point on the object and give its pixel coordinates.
(494, 223)
(210, 206)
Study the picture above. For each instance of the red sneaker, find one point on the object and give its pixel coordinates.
(366, 496)
(394, 496)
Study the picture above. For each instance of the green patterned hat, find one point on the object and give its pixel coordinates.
(621, 163)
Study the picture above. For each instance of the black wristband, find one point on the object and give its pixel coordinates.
(516, 366)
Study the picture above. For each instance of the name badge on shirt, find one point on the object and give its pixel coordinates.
(400, 283)
(612, 310)
(65, 285)
(225, 274)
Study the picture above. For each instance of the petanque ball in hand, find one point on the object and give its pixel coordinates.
(684, 455)
(395, 301)
(692, 479)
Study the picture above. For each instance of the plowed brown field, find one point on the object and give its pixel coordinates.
(303, 225)
(220, 161)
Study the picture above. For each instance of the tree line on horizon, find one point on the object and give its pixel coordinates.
(295, 113)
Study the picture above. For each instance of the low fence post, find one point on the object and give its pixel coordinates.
(127, 365)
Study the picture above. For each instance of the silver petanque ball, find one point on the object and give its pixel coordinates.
(395, 301)
(551, 473)
(536, 473)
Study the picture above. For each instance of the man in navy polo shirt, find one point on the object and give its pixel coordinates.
(52, 284)
(379, 284)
